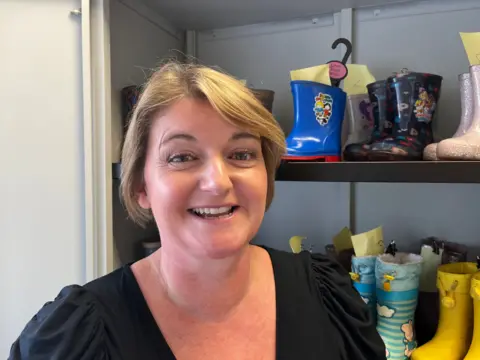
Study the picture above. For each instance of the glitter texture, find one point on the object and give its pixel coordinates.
(466, 96)
(467, 146)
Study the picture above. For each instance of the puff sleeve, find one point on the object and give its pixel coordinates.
(353, 327)
(69, 328)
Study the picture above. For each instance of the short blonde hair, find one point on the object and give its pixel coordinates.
(228, 96)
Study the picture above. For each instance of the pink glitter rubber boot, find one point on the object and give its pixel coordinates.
(467, 146)
(466, 98)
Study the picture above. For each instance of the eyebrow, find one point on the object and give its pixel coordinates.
(188, 137)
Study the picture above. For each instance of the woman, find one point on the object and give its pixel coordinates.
(200, 157)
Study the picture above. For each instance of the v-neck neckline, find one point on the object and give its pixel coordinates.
(157, 337)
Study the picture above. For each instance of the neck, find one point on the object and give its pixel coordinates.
(205, 288)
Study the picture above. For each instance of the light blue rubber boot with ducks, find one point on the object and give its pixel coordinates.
(363, 276)
(398, 279)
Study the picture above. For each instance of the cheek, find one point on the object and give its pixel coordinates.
(255, 187)
(166, 192)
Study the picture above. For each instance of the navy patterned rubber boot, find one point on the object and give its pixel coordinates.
(382, 122)
(414, 100)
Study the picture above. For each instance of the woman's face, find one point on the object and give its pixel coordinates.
(205, 181)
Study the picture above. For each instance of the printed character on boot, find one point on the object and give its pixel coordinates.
(323, 108)
(367, 113)
(410, 343)
(424, 106)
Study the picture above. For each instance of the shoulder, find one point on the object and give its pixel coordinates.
(331, 288)
(351, 318)
(72, 326)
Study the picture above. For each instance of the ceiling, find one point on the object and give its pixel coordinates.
(211, 14)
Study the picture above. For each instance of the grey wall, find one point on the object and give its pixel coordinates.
(422, 36)
(137, 47)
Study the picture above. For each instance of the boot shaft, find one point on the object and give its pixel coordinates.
(454, 285)
(474, 350)
(475, 294)
(381, 111)
(475, 77)
(397, 279)
(414, 99)
(360, 118)
(466, 103)
(265, 96)
(319, 111)
(363, 276)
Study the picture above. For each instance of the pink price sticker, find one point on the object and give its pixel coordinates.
(337, 70)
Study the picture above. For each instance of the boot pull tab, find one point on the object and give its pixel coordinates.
(354, 276)
(386, 284)
(448, 299)
(435, 246)
(391, 248)
(478, 263)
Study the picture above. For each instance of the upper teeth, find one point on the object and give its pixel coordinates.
(213, 211)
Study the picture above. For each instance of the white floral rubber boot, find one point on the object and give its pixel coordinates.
(466, 100)
(467, 146)
(360, 118)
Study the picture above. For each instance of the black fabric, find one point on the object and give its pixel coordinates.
(319, 316)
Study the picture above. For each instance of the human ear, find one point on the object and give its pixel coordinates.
(143, 199)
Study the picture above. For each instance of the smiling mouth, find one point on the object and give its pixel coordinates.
(214, 213)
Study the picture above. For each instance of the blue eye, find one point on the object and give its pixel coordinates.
(180, 158)
(244, 155)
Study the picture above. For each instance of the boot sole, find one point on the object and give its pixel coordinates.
(386, 156)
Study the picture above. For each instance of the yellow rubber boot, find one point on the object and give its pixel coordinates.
(474, 352)
(454, 332)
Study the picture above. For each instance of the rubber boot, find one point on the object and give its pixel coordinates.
(382, 124)
(319, 111)
(363, 276)
(466, 101)
(414, 102)
(474, 351)
(266, 97)
(360, 118)
(454, 252)
(454, 333)
(130, 96)
(426, 314)
(343, 257)
(398, 279)
(467, 146)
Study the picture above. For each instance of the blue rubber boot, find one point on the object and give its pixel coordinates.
(398, 279)
(319, 112)
(363, 276)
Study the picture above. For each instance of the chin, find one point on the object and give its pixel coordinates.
(222, 247)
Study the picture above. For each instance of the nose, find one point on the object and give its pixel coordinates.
(215, 177)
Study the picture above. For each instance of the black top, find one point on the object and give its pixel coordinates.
(319, 316)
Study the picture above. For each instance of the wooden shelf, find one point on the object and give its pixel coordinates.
(454, 172)
(393, 172)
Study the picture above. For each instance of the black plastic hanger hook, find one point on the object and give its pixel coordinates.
(349, 46)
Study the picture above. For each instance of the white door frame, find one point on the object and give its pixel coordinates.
(99, 254)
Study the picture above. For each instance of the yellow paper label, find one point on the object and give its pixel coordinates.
(357, 79)
(318, 73)
(471, 42)
(369, 243)
(343, 240)
(296, 243)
